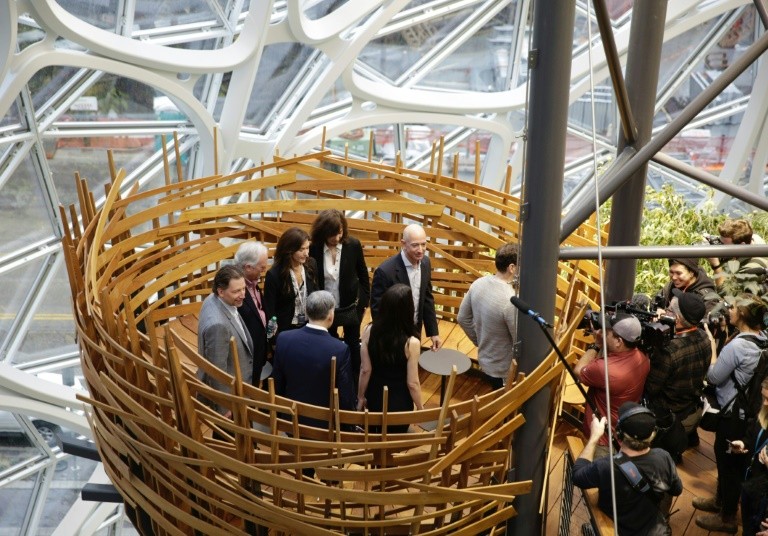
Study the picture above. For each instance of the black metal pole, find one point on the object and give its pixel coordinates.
(550, 73)
(666, 252)
(645, 41)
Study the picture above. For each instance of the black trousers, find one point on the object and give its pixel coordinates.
(730, 467)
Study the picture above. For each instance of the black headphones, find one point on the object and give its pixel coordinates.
(639, 410)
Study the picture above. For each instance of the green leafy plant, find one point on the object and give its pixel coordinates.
(668, 219)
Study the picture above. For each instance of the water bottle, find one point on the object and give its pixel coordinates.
(271, 327)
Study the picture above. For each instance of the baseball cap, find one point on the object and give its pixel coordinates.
(691, 305)
(639, 426)
(626, 326)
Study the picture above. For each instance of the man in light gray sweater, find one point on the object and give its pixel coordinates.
(489, 319)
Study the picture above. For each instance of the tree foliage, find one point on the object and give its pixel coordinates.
(668, 219)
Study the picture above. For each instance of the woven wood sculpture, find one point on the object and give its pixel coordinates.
(140, 267)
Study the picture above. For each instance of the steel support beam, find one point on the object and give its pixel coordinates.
(665, 252)
(622, 169)
(646, 38)
(760, 6)
(550, 68)
(713, 181)
(628, 125)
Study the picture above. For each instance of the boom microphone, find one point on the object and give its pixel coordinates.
(524, 307)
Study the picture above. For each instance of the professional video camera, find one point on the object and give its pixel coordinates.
(656, 330)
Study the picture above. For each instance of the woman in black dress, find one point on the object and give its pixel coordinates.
(341, 270)
(290, 280)
(390, 357)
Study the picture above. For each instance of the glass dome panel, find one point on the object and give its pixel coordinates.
(11, 120)
(172, 13)
(99, 13)
(395, 53)
(23, 217)
(51, 331)
(281, 66)
(16, 496)
(317, 9)
(27, 35)
(482, 63)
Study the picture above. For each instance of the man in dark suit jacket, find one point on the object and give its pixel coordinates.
(251, 258)
(302, 361)
(411, 267)
(219, 322)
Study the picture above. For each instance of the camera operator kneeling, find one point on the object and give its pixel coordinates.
(676, 379)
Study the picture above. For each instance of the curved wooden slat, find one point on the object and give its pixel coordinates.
(138, 274)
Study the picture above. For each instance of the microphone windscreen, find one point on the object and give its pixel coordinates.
(520, 304)
(640, 301)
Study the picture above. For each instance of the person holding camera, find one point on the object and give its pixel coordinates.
(736, 363)
(290, 280)
(676, 379)
(752, 270)
(645, 478)
(627, 370)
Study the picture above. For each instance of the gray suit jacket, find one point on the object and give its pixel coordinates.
(215, 327)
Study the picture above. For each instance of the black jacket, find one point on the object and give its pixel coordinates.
(279, 300)
(354, 283)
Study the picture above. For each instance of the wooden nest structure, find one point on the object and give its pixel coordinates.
(140, 267)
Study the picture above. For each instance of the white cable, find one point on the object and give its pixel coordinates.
(604, 346)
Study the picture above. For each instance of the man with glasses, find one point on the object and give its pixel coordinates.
(627, 370)
(411, 267)
(676, 379)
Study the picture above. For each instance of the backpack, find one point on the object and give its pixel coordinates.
(749, 397)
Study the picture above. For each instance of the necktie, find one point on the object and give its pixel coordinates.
(262, 314)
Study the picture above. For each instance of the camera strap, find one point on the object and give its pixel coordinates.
(632, 473)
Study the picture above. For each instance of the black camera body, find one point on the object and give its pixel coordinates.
(714, 240)
(656, 330)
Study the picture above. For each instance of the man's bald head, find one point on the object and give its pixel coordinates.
(414, 242)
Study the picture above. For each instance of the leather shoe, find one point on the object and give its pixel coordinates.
(717, 523)
(708, 504)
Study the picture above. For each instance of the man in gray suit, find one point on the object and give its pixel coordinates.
(219, 322)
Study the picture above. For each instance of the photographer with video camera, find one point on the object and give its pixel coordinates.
(627, 369)
(747, 274)
(675, 382)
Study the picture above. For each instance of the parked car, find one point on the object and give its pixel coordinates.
(10, 427)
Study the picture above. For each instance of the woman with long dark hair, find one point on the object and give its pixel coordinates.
(341, 270)
(290, 280)
(390, 357)
(736, 363)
